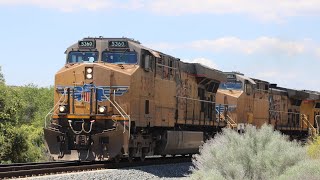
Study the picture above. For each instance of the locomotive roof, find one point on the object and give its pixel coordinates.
(292, 93)
(313, 95)
(196, 69)
(200, 70)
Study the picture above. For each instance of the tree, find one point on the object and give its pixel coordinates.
(2, 81)
(22, 112)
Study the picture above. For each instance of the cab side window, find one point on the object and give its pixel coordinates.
(248, 87)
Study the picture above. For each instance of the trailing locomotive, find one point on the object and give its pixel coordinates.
(253, 101)
(115, 98)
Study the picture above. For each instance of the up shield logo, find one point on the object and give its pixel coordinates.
(104, 92)
(88, 91)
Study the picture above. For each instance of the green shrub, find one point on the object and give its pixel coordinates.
(314, 149)
(257, 154)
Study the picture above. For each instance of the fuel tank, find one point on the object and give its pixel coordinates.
(181, 142)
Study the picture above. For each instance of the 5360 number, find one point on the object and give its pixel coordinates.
(118, 44)
(86, 44)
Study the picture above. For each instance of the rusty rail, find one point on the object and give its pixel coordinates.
(34, 169)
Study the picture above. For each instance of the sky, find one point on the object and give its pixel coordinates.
(276, 41)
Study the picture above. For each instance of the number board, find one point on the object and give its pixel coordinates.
(118, 44)
(86, 44)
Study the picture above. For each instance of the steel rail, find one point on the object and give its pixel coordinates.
(33, 163)
(35, 169)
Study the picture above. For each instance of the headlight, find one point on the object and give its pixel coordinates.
(62, 109)
(89, 76)
(102, 109)
(89, 70)
(88, 73)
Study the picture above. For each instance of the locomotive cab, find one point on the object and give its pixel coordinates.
(245, 100)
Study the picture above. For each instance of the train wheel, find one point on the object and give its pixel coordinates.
(130, 155)
(117, 159)
(130, 159)
(143, 154)
(142, 157)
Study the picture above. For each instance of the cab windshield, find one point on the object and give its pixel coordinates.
(231, 85)
(120, 57)
(79, 57)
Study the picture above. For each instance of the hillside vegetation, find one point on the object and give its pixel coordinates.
(22, 112)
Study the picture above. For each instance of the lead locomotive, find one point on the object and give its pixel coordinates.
(115, 98)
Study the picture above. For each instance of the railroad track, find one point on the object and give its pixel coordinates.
(35, 169)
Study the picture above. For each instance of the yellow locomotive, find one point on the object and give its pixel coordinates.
(253, 101)
(115, 98)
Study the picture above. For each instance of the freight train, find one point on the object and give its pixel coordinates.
(115, 98)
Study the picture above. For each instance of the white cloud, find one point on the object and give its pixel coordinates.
(206, 62)
(261, 9)
(64, 5)
(318, 52)
(260, 45)
(273, 74)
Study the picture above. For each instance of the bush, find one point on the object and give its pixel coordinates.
(314, 149)
(257, 154)
(305, 170)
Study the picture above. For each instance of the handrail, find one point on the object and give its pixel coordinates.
(53, 109)
(315, 119)
(111, 102)
(117, 108)
(231, 122)
(114, 99)
(228, 119)
(307, 122)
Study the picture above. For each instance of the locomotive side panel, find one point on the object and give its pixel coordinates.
(278, 108)
(261, 106)
(165, 102)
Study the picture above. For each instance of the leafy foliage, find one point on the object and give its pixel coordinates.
(2, 81)
(22, 112)
(257, 154)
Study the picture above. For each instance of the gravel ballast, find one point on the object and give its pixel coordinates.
(168, 171)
